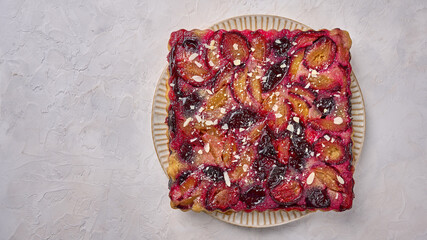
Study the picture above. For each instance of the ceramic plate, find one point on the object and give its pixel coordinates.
(158, 126)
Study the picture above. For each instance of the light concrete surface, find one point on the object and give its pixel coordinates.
(77, 80)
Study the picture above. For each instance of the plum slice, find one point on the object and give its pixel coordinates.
(296, 162)
(190, 65)
(299, 106)
(329, 80)
(221, 197)
(229, 151)
(181, 87)
(253, 196)
(295, 63)
(171, 121)
(214, 173)
(302, 91)
(325, 105)
(261, 167)
(276, 176)
(234, 47)
(188, 184)
(347, 201)
(191, 44)
(329, 177)
(338, 120)
(280, 46)
(342, 38)
(247, 156)
(266, 147)
(330, 152)
(254, 132)
(186, 152)
(240, 86)
(300, 149)
(246, 88)
(240, 118)
(274, 75)
(283, 146)
(287, 193)
(322, 82)
(304, 39)
(317, 198)
(183, 176)
(320, 55)
(259, 44)
(255, 87)
(219, 99)
(224, 77)
(191, 103)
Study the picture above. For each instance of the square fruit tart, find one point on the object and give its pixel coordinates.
(259, 120)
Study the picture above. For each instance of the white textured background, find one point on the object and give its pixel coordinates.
(76, 85)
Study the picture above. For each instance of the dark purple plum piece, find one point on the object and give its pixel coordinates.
(221, 198)
(317, 198)
(191, 44)
(253, 196)
(296, 162)
(181, 87)
(280, 46)
(186, 152)
(176, 88)
(325, 105)
(276, 176)
(298, 131)
(261, 166)
(240, 118)
(287, 193)
(192, 100)
(183, 176)
(300, 147)
(274, 75)
(266, 147)
(214, 173)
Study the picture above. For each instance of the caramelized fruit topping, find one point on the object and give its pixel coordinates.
(258, 121)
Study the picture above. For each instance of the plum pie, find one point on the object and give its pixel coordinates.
(259, 120)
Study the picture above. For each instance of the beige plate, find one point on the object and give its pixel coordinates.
(254, 219)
